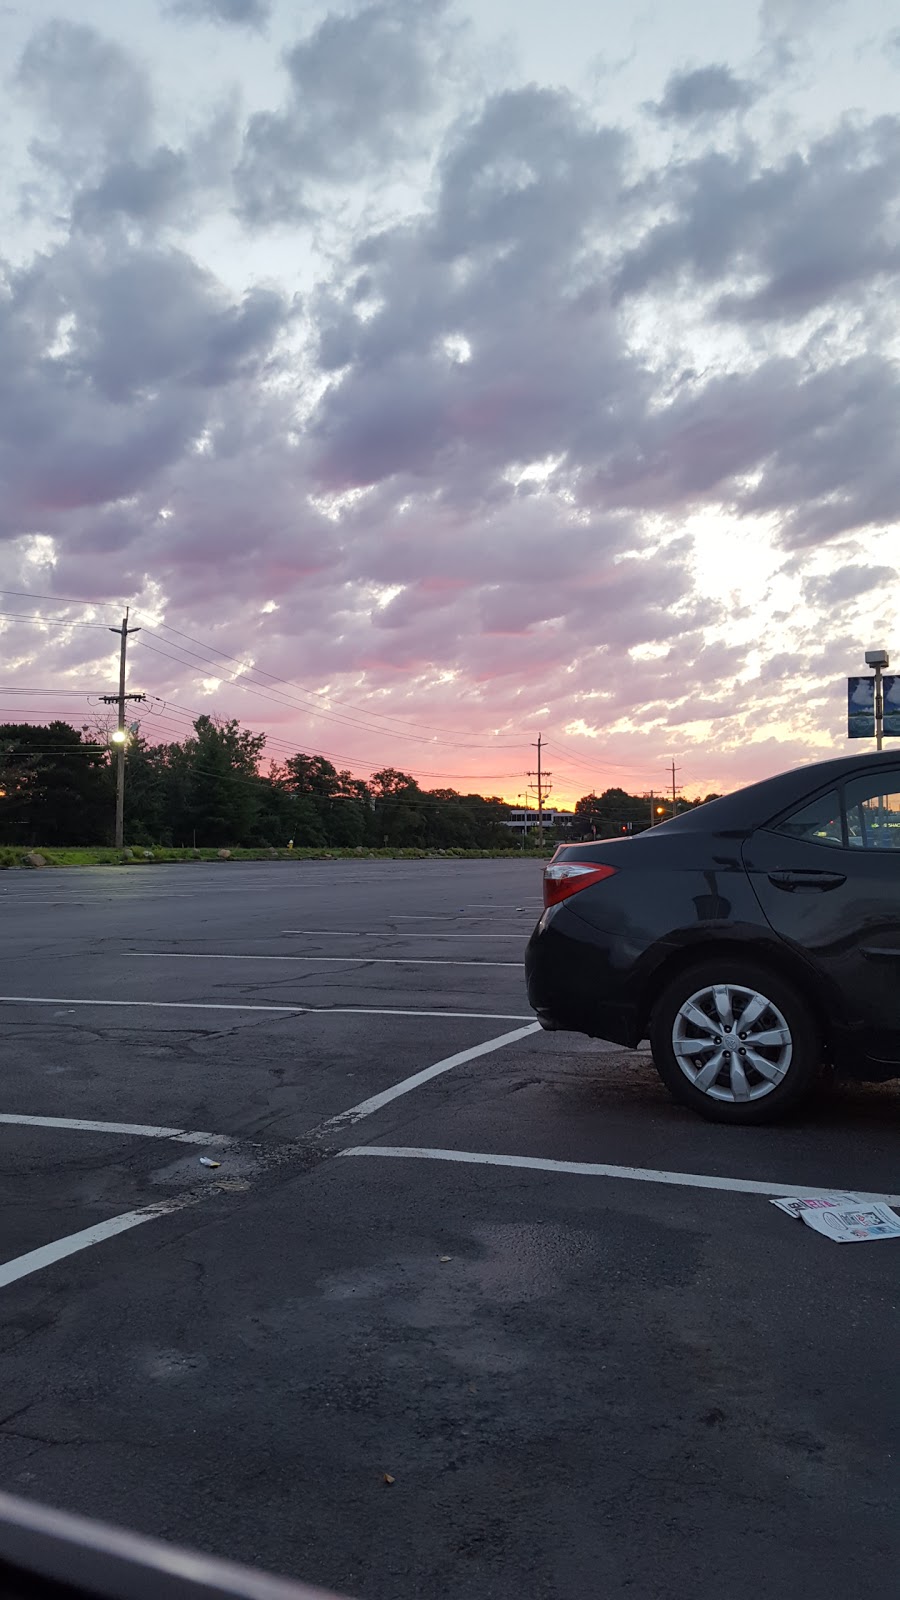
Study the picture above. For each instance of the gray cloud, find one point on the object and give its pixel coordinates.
(92, 99)
(819, 226)
(811, 448)
(148, 191)
(360, 84)
(704, 92)
(847, 583)
(234, 13)
(161, 186)
(501, 271)
(111, 367)
(794, 16)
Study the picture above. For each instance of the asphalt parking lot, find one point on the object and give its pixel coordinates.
(464, 1309)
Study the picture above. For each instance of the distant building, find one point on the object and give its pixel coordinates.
(522, 821)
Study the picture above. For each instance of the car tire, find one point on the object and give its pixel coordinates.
(775, 1060)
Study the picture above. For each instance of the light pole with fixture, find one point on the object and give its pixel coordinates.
(120, 737)
(880, 660)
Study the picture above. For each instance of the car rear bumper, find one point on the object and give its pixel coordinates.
(579, 980)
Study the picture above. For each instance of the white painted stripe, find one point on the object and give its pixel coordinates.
(329, 933)
(77, 1124)
(35, 1260)
(366, 1107)
(446, 916)
(589, 1169)
(157, 1005)
(344, 961)
(295, 1011)
(374, 1011)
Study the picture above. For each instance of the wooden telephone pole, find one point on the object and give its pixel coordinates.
(540, 785)
(120, 737)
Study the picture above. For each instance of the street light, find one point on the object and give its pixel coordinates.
(119, 737)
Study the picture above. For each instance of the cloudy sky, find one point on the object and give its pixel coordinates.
(427, 375)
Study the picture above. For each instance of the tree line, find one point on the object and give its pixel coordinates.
(57, 788)
(616, 812)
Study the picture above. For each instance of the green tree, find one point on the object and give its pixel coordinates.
(339, 801)
(286, 814)
(57, 789)
(221, 790)
(400, 816)
(149, 806)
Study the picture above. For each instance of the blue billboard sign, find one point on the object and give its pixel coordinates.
(861, 708)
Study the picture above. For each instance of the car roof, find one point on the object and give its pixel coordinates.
(750, 807)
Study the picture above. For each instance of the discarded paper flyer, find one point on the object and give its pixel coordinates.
(848, 1225)
(815, 1202)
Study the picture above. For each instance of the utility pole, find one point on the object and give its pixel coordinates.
(652, 815)
(543, 788)
(674, 791)
(120, 737)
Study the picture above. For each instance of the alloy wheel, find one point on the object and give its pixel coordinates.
(732, 1042)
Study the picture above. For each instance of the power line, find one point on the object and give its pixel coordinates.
(246, 669)
(59, 599)
(52, 622)
(333, 755)
(600, 762)
(275, 697)
(298, 688)
(264, 691)
(413, 772)
(267, 690)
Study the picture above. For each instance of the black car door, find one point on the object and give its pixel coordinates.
(828, 880)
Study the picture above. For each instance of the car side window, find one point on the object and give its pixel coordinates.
(818, 822)
(873, 812)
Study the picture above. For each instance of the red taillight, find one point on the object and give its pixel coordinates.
(563, 878)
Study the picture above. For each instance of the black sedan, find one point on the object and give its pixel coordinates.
(750, 939)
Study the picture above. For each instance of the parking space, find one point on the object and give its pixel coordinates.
(463, 1308)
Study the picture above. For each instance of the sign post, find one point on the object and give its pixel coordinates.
(873, 703)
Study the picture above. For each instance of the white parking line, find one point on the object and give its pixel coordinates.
(589, 1169)
(446, 916)
(46, 1255)
(366, 1107)
(366, 1011)
(77, 1124)
(21, 1266)
(293, 1011)
(344, 961)
(332, 933)
(156, 1005)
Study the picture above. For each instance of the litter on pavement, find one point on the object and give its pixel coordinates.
(815, 1202)
(844, 1217)
(847, 1226)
